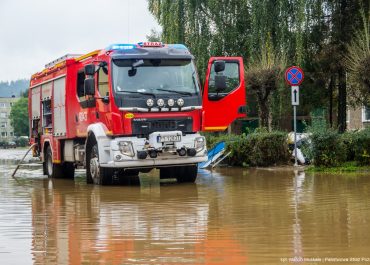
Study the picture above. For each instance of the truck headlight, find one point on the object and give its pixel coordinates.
(199, 144)
(150, 102)
(160, 102)
(180, 102)
(126, 148)
(171, 102)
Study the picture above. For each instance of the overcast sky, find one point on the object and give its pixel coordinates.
(35, 32)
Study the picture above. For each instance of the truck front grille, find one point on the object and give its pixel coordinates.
(147, 126)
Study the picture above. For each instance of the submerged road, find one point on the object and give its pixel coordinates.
(230, 216)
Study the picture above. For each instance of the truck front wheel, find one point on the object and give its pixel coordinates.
(94, 173)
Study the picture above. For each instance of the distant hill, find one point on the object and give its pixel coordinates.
(16, 88)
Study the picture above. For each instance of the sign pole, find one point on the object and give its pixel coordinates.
(295, 135)
(294, 77)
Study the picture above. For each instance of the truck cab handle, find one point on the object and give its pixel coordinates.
(105, 99)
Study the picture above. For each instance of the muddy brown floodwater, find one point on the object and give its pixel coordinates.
(230, 216)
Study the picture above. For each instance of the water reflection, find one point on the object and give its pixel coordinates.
(230, 216)
(73, 223)
(299, 178)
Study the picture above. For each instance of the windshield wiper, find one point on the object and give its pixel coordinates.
(138, 92)
(175, 91)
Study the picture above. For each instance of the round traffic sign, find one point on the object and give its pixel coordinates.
(294, 76)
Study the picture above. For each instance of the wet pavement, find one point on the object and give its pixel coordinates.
(230, 216)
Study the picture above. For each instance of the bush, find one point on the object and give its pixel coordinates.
(213, 138)
(260, 148)
(361, 147)
(328, 148)
(350, 141)
(325, 147)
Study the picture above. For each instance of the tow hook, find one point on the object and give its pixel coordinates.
(152, 153)
(191, 152)
(182, 151)
(142, 154)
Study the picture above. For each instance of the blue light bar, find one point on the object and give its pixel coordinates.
(178, 46)
(126, 46)
(121, 47)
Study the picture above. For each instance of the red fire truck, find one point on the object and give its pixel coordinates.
(130, 108)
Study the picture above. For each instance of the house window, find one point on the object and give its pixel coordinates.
(3, 134)
(11, 134)
(366, 114)
(3, 125)
(2, 105)
(3, 115)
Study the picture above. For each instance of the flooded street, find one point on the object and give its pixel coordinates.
(230, 216)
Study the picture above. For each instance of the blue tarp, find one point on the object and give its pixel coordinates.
(213, 154)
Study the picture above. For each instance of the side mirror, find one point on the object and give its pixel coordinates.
(89, 86)
(220, 83)
(89, 69)
(219, 66)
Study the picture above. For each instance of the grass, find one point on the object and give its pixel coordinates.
(350, 166)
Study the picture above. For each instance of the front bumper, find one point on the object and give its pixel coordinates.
(167, 154)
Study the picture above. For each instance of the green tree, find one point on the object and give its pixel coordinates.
(343, 18)
(311, 33)
(154, 36)
(19, 117)
(358, 65)
(263, 77)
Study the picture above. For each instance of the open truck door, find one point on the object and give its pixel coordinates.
(224, 96)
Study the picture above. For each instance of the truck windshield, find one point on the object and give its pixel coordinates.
(156, 76)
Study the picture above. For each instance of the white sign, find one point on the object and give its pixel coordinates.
(295, 95)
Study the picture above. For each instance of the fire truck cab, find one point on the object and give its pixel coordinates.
(131, 108)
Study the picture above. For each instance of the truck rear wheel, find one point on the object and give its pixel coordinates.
(94, 172)
(51, 169)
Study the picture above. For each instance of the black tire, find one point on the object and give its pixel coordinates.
(51, 169)
(94, 173)
(44, 167)
(187, 174)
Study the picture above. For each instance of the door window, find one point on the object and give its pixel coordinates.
(103, 83)
(85, 101)
(231, 73)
